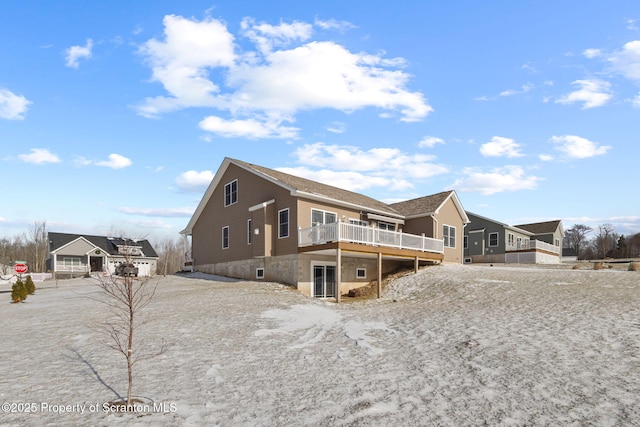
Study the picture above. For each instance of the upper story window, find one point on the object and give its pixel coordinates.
(449, 236)
(231, 193)
(493, 239)
(386, 226)
(283, 223)
(322, 217)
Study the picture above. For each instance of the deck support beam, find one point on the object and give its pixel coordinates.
(379, 274)
(338, 272)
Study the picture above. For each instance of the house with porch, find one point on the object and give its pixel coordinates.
(259, 223)
(74, 255)
(490, 241)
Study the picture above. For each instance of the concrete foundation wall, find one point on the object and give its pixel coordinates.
(282, 269)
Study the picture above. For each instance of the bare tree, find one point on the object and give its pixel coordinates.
(170, 256)
(605, 239)
(576, 237)
(38, 245)
(126, 296)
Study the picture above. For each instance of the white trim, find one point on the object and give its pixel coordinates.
(260, 276)
(288, 223)
(229, 184)
(364, 276)
(262, 205)
(228, 237)
(497, 239)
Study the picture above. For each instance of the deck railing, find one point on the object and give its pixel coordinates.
(353, 233)
(528, 245)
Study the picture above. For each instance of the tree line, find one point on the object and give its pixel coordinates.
(601, 242)
(32, 247)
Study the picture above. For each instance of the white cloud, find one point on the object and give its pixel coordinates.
(75, 53)
(591, 53)
(336, 127)
(194, 181)
(430, 142)
(287, 73)
(39, 156)
(12, 106)
(180, 63)
(507, 178)
(592, 93)
(636, 101)
(523, 89)
(501, 147)
(332, 24)
(266, 36)
(116, 161)
(349, 180)
(249, 128)
(546, 157)
(577, 147)
(626, 61)
(354, 169)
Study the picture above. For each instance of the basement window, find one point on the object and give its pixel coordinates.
(259, 273)
(361, 273)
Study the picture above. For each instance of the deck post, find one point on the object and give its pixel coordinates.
(379, 274)
(338, 272)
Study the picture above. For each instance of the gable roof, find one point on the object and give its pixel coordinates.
(505, 225)
(541, 227)
(107, 244)
(429, 205)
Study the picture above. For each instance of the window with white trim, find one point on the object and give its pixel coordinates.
(231, 193)
(260, 273)
(386, 226)
(449, 236)
(283, 223)
(510, 239)
(71, 262)
(361, 273)
(249, 231)
(493, 239)
(225, 237)
(322, 217)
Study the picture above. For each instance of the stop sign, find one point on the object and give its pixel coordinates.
(20, 268)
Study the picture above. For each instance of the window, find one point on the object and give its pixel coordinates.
(322, 217)
(361, 273)
(260, 273)
(249, 232)
(493, 239)
(225, 237)
(449, 236)
(465, 243)
(510, 239)
(71, 262)
(283, 223)
(231, 193)
(386, 226)
(557, 242)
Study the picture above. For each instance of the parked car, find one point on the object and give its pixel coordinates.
(126, 269)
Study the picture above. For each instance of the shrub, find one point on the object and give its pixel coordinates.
(31, 287)
(19, 291)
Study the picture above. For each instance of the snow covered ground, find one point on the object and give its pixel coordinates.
(452, 345)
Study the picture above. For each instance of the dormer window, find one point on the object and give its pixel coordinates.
(231, 193)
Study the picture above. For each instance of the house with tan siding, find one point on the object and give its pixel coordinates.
(262, 224)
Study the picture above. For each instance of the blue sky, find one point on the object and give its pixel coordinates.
(114, 116)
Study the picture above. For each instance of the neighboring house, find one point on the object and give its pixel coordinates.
(259, 223)
(551, 232)
(490, 241)
(73, 255)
